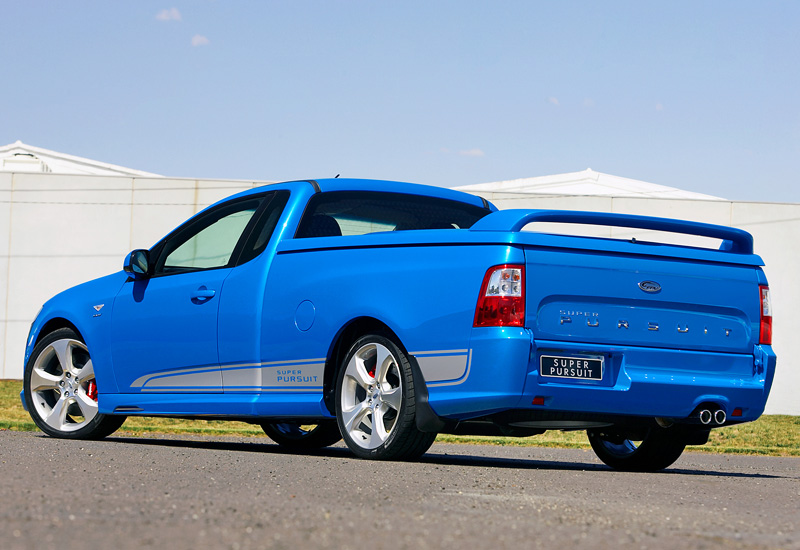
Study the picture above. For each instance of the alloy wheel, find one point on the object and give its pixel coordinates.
(371, 395)
(62, 385)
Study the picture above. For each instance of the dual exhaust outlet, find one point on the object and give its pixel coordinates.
(707, 416)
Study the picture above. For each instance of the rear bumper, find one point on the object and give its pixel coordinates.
(656, 382)
(637, 381)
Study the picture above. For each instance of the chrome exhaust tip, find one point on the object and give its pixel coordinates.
(705, 416)
(719, 417)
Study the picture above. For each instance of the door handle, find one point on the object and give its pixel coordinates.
(203, 294)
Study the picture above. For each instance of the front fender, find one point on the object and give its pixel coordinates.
(86, 308)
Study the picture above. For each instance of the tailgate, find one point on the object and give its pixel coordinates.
(629, 300)
(630, 293)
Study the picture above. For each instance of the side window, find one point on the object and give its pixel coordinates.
(264, 227)
(208, 242)
(358, 212)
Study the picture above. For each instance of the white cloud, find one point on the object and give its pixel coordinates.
(472, 153)
(200, 40)
(172, 14)
(554, 101)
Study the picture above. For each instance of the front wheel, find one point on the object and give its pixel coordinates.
(302, 437)
(654, 449)
(61, 391)
(375, 405)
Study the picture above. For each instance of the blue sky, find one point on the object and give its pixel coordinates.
(697, 95)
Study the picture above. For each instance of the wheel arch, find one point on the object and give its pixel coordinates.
(86, 333)
(57, 323)
(345, 337)
(85, 426)
(427, 420)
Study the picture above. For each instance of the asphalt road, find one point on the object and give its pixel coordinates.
(175, 492)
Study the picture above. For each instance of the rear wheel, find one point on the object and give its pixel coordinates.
(654, 449)
(61, 390)
(375, 405)
(302, 437)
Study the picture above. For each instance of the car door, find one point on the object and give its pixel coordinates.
(164, 327)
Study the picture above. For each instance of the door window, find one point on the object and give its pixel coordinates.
(229, 235)
(208, 242)
(211, 247)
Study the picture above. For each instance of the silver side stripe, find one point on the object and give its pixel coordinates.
(443, 365)
(433, 383)
(440, 368)
(440, 352)
(276, 363)
(272, 377)
(206, 379)
(299, 373)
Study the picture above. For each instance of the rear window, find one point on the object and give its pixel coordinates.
(359, 212)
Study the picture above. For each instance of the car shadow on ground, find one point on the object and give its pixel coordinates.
(265, 446)
(498, 462)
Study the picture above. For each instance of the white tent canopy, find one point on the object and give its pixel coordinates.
(587, 182)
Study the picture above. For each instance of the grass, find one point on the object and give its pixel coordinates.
(771, 435)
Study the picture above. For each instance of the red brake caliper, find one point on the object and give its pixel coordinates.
(91, 390)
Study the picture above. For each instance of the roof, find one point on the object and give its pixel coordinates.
(21, 157)
(354, 184)
(587, 182)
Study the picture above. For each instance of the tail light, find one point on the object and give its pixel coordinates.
(501, 302)
(765, 333)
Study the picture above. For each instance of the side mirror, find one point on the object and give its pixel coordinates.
(137, 264)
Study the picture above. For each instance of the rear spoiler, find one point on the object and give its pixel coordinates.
(733, 240)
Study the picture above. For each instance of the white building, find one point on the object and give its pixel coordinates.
(65, 220)
(22, 158)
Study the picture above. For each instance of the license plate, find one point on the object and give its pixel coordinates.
(575, 368)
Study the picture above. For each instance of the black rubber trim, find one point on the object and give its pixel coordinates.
(248, 230)
(313, 183)
(367, 246)
(485, 203)
(426, 419)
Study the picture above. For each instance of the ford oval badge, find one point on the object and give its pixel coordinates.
(650, 286)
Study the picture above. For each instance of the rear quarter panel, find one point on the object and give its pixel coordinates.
(425, 294)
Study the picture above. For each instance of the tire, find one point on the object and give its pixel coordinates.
(61, 391)
(375, 388)
(297, 437)
(659, 448)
